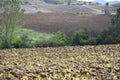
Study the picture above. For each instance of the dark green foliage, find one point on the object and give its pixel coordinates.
(80, 38)
(107, 12)
(58, 39)
(112, 34)
(23, 42)
(107, 4)
(83, 38)
(100, 39)
(92, 41)
(69, 40)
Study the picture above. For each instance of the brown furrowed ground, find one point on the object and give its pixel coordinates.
(63, 63)
(67, 22)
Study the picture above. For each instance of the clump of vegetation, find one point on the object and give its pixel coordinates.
(26, 38)
(83, 38)
(58, 39)
(112, 34)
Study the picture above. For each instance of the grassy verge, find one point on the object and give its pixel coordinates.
(32, 35)
(27, 38)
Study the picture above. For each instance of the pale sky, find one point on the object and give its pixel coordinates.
(111, 0)
(98, 0)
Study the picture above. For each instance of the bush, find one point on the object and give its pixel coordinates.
(58, 39)
(43, 44)
(69, 41)
(22, 42)
(80, 38)
(84, 38)
(92, 41)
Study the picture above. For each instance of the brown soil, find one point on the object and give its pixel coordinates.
(64, 63)
(67, 22)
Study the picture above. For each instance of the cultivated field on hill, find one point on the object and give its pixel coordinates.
(64, 63)
(67, 22)
(38, 6)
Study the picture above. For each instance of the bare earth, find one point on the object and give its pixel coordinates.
(67, 22)
(63, 63)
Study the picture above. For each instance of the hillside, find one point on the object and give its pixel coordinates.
(64, 63)
(68, 23)
(43, 7)
(116, 5)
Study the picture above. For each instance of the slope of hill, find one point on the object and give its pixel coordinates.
(63, 63)
(68, 23)
(116, 5)
(114, 2)
(41, 6)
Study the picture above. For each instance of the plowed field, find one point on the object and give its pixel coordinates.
(63, 63)
(67, 22)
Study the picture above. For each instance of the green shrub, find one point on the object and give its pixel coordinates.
(43, 44)
(92, 41)
(84, 38)
(22, 42)
(58, 39)
(69, 41)
(100, 39)
(80, 38)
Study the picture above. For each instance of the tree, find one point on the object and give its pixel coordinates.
(69, 2)
(10, 18)
(115, 21)
(106, 9)
(112, 35)
(80, 38)
(115, 26)
(107, 4)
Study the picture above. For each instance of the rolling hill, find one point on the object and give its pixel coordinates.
(116, 5)
(43, 7)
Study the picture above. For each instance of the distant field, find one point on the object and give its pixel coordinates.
(67, 22)
(63, 63)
